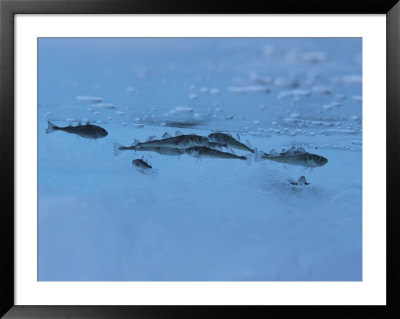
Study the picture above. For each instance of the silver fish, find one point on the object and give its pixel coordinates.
(86, 131)
(229, 140)
(160, 150)
(306, 159)
(200, 152)
(183, 141)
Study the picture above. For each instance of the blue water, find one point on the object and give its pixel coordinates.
(102, 219)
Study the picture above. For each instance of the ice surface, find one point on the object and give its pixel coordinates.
(101, 219)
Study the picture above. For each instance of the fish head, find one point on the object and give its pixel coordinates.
(317, 161)
(198, 140)
(101, 132)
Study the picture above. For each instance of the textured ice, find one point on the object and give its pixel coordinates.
(89, 98)
(102, 219)
(249, 89)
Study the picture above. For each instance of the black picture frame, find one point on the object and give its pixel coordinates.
(8, 8)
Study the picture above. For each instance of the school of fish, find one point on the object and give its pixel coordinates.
(211, 146)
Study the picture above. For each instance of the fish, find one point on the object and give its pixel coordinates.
(170, 151)
(143, 167)
(305, 159)
(86, 131)
(139, 163)
(182, 141)
(201, 152)
(229, 140)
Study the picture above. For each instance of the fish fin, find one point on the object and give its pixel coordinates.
(166, 135)
(258, 155)
(231, 150)
(151, 138)
(301, 150)
(117, 149)
(178, 133)
(135, 142)
(50, 128)
(273, 152)
(248, 144)
(302, 180)
(145, 160)
(238, 136)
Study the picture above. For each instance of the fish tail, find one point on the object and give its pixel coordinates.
(257, 155)
(51, 127)
(135, 142)
(248, 159)
(117, 148)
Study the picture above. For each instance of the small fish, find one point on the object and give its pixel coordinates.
(200, 152)
(86, 131)
(139, 163)
(229, 140)
(170, 151)
(306, 160)
(183, 141)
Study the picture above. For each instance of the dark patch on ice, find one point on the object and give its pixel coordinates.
(184, 124)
